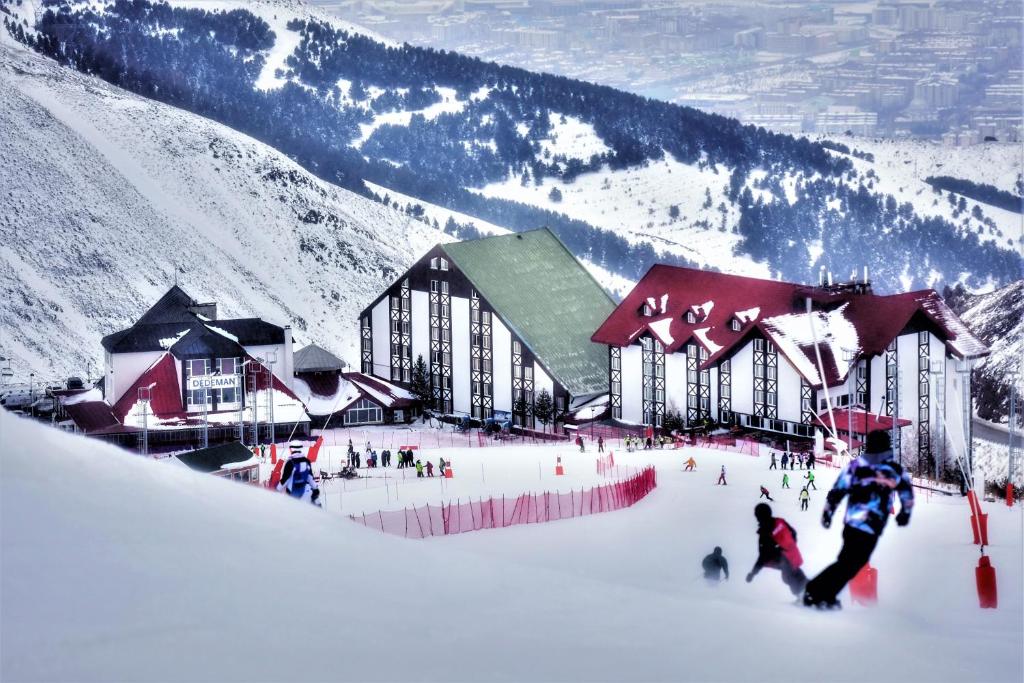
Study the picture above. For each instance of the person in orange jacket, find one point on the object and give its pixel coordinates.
(690, 464)
(776, 545)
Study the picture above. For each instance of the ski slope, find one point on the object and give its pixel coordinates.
(127, 569)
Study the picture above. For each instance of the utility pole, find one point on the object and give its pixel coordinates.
(965, 398)
(1015, 437)
(144, 397)
(206, 412)
(32, 393)
(271, 360)
(851, 377)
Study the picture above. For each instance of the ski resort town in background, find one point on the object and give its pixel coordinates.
(511, 331)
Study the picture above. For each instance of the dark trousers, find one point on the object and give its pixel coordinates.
(764, 494)
(857, 548)
(811, 484)
(793, 577)
(803, 503)
(773, 466)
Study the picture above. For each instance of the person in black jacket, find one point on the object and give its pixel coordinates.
(714, 565)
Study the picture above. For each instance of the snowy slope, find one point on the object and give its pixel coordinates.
(129, 569)
(998, 319)
(106, 193)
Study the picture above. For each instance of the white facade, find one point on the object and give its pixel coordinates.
(502, 365)
(461, 390)
(380, 327)
(123, 369)
(420, 319)
(632, 384)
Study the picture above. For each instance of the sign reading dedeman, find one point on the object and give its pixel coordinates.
(200, 382)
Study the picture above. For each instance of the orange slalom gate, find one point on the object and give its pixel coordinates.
(559, 470)
(864, 586)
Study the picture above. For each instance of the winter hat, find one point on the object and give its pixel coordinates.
(878, 441)
(762, 511)
(295, 447)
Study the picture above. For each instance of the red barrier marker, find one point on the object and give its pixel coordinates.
(985, 576)
(1009, 494)
(559, 470)
(864, 586)
(448, 474)
(273, 454)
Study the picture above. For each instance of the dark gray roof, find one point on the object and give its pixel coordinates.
(172, 324)
(216, 457)
(313, 358)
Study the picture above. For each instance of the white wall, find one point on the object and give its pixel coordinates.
(282, 360)
(789, 391)
(461, 390)
(876, 399)
(742, 368)
(633, 384)
(125, 369)
(675, 383)
(501, 344)
(420, 327)
(541, 380)
(381, 329)
(713, 374)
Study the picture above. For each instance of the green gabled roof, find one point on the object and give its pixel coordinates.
(546, 297)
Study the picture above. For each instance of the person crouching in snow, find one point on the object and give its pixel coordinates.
(713, 565)
(297, 474)
(430, 469)
(765, 494)
(870, 481)
(776, 548)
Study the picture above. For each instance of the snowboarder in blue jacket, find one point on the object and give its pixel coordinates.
(870, 482)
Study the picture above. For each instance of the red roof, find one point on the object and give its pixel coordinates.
(379, 391)
(165, 391)
(92, 416)
(321, 383)
(863, 422)
(845, 319)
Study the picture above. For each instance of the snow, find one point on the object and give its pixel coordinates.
(572, 138)
(702, 334)
(315, 404)
(223, 333)
(92, 394)
(123, 569)
(794, 332)
(663, 328)
(223, 200)
(748, 315)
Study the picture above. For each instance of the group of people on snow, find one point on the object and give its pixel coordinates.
(792, 459)
(869, 482)
(406, 459)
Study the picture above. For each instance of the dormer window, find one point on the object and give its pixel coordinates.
(433, 263)
(690, 317)
(444, 264)
(647, 311)
(735, 324)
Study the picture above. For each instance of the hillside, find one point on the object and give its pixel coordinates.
(124, 568)
(998, 319)
(625, 181)
(107, 194)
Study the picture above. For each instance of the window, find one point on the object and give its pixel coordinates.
(444, 287)
(487, 342)
(647, 343)
(778, 425)
(487, 364)
(395, 326)
(759, 344)
(406, 375)
(477, 339)
(433, 263)
(771, 398)
(446, 358)
(647, 311)
(476, 364)
(517, 348)
(433, 286)
(228, 367)
(435, 334)
(690, 317)
(405, 304)
(444, 264)
(434, 310)
(364, 411)
(616, 361)
(528, 372)
(771, 371)
(367, 344)
(487, 389)
(477, 388)
(445, 312)
(446, 334)
(406, 327)
(475, 315)
(759, 396)
(617, 387)
(396, 303)
(435, 357)
(366, 322)
(735, 325)
(486, 317)
(658, 347)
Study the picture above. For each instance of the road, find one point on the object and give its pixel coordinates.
(994, 433)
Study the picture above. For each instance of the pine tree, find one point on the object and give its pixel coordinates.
(544, 408)
(420, 386)
(522, 408)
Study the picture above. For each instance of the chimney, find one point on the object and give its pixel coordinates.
(821, 276)
(830, 278)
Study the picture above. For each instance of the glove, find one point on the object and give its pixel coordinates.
(826, 518)
(750, 577)
(903, 518)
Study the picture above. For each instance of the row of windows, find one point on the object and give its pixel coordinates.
(438, 263)
(398, 302)
(434, 286)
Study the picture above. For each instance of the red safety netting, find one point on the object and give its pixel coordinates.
(394, 439)
(728, 443)
(494, 513)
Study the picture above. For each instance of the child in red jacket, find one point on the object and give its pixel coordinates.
(776, 545)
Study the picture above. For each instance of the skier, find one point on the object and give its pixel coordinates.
(419, 470)
(774, 464)
(600, 444)
(714, 565)
(297, 474)
(430, 469)
(776, 546)
(690, 465)
(810, 461)
(870, 481)
(721, 477)
(792, 461)
(579, 442)
(810, 480)
(785, 480)
(805, 499)
(785, 460)
(314, 498)
(765, 494)
(440, 466)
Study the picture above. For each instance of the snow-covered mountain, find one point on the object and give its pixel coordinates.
(998, 319)
(106, 194)
(623, 180)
